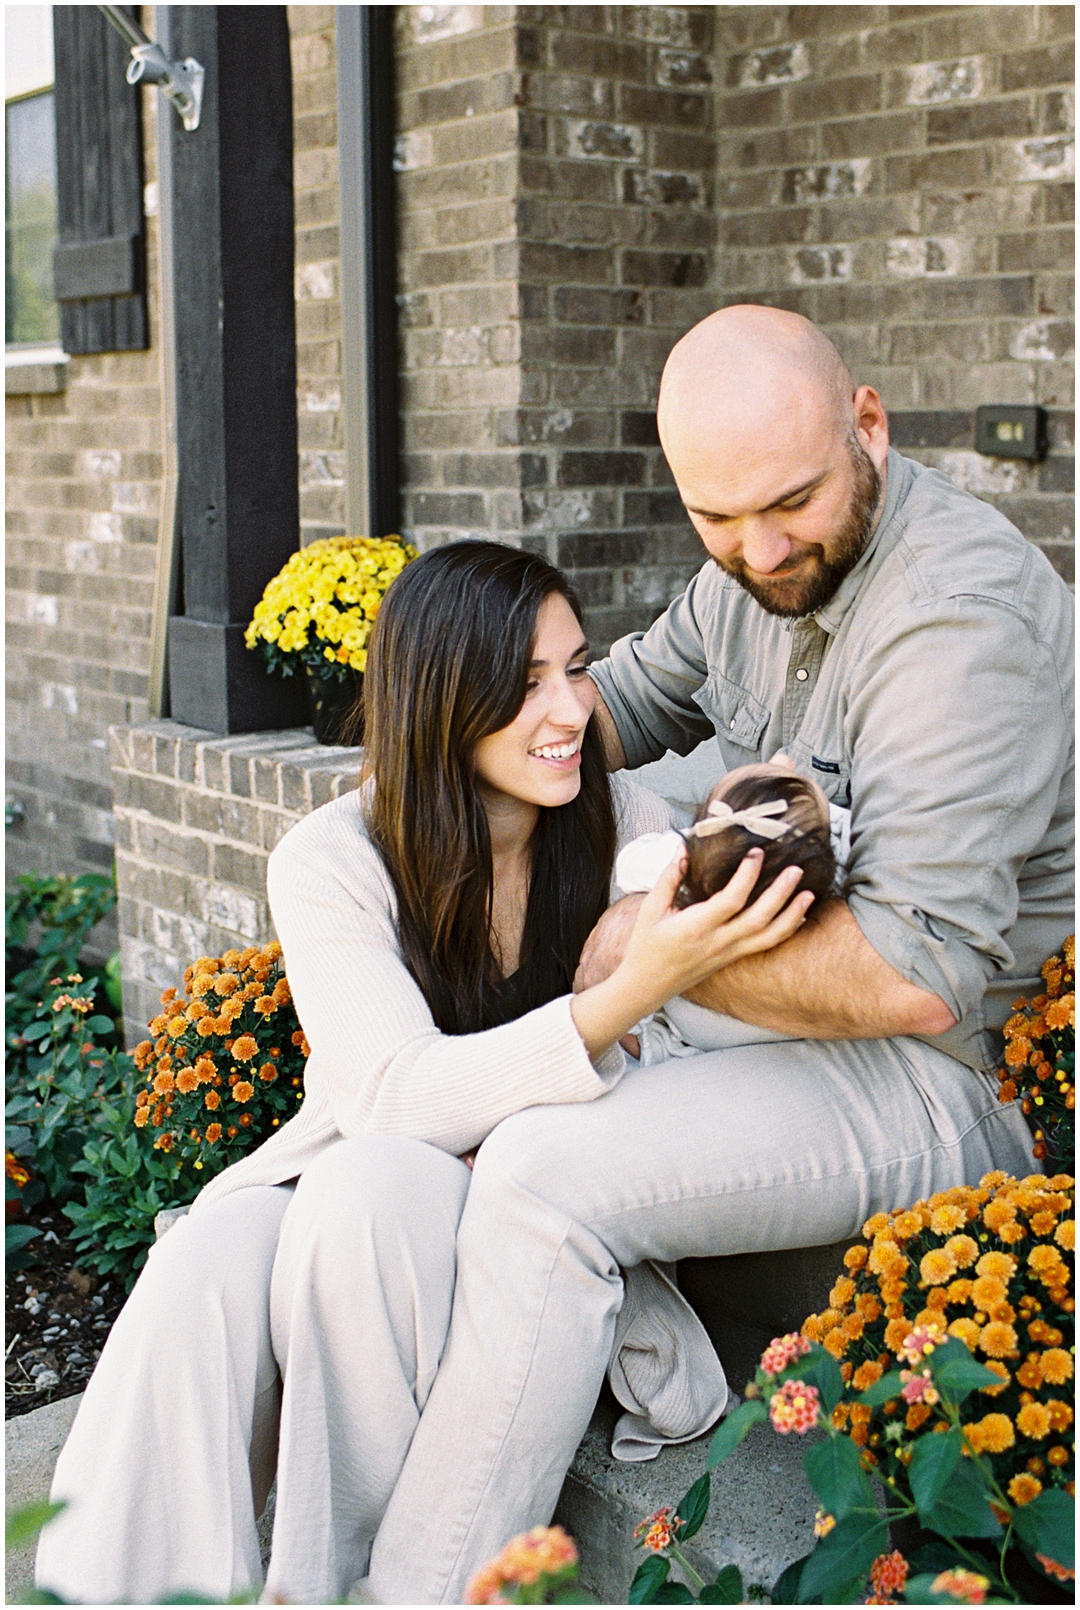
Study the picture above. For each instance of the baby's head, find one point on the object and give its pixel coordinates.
(715, 845)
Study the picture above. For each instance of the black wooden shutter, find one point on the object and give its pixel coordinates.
(99, 267)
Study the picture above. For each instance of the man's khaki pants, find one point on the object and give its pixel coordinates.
(414, 1444)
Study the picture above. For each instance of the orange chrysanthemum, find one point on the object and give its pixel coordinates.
(988, 1291)
(992, 1434)
(213, 1134)
(186, 1081)
(245, 1047)
(997, 1340)
(1057, 1366)
(1033, 1420)
(242, 1090)
(937, 1266)
(212, 1100)
(1001, 1265)
(1061, 1415)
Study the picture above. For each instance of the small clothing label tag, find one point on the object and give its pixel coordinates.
(825, 765)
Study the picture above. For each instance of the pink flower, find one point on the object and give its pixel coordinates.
(920, 1343)
(918, 1388)
(782, 1351)
(794, 1407)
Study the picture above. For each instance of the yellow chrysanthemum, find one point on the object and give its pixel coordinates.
(997, 1340)
(967, 1330)
(1023, 1488)
(944, 1220)
(988, 1291)
(1065, 1235)
(1057, 1366)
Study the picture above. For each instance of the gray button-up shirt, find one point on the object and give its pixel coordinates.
(933, 695)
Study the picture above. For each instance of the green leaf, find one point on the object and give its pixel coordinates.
(834, 1471)
(956, 1373)
(674, 1593)
(98, 1024)
(889, 1386)
(785, 1589)
(16, 1237)
(819, 1368)
(1046, 1525)
(693, 1508)
(23, 1525)
(842, 1557)
(649, 1578)
(933, 1460)
(37, 1031)
(727, 1589)
(961, 1510)
(734, 1429)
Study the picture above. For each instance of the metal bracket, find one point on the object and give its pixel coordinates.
(180, 82)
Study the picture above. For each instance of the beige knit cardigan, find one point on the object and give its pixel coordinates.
(379, 1065)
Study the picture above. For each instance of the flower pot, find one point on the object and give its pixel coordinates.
(335, 704)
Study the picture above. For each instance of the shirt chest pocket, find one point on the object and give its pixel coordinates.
(738, 717)
(832, 774)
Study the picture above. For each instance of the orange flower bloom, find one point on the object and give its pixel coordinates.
(966, 1330)
(268, 1073)
(1033, 1420)
(1061, 1415)
(225, 984)
(213, 1134)
(966, 1587)
(1057, 1455)
(1044, 1260)
(889, 1573)
(997, 1339)
(944, 1220)
(242, 1090)
(895, 1332)
(245, 1048)
(206, 1026)
(909, 1223)
(1011, 1232)
(992, 1434)
(1029, 1374)
(866, 1374)
(998, 1213)
(886, 1258)
(163, 1083)
(1065, 1235)
(1057, 1366)
(1023, 1488)
(1061, 1014)
(988, 1291)
(142, 1117)
(176, 1026)
(212, 1100)
(937, 1266)
(1017, 1051)
(794, 1407)
(1062, 1573)
(265, 1006)
(163, 1143)
(868, 1306)
(855, 1258)
(999, 1264)
(917, 1415)
(1000, 1371)
(186, 1081)
(842, 1293)
(836, 1342)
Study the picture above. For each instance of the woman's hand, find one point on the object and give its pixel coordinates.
(669, 950)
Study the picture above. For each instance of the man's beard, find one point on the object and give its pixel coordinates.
(818, 578)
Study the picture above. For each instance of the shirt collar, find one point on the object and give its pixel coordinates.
(898, 475)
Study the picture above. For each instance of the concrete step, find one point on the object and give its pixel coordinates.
(761, 1517)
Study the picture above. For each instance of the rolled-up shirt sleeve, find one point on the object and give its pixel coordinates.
(649, 680)
(958, 744)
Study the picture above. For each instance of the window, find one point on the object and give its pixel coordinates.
(31, 315)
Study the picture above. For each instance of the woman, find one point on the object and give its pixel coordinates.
(431, 924)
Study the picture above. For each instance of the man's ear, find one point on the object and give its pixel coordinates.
(871, 424)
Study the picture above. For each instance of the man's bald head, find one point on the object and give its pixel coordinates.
(778, 457)
(745, 369)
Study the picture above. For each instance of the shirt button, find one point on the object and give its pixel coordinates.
(731, 723)
(801, 674)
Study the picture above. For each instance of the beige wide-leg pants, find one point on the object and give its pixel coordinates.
(346, 1288)
(339, 1287)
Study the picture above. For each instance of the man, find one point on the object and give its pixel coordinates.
(908, 649)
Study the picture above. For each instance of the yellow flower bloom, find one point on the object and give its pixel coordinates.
(997, 1340)
(988, 1291)
(1065, 1235)
(944, 1220)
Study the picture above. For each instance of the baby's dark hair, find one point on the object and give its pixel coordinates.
(714, 858)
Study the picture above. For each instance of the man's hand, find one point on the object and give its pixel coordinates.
(606, 945)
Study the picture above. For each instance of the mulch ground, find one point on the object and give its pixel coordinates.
(57, 1318)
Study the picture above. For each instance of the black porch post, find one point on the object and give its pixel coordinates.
(235, 363)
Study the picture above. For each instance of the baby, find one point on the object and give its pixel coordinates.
(767, 806)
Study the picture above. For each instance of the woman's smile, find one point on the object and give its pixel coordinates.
(536, 760)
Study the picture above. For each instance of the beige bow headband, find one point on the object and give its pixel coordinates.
(755, 818)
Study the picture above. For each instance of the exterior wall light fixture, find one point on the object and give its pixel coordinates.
(180, 81)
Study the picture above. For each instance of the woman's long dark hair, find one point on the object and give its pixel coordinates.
(448, 664)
